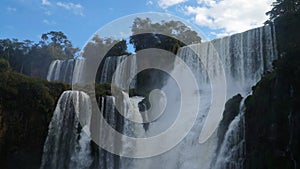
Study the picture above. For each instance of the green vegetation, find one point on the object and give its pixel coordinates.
(164, 35)
(283, 8)
(58, 45)
(97, 46)
(4, 65)
(103, 89)
(32, 58)
(26, 107)
(26, 103)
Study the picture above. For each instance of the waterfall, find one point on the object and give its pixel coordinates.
(127, 67)
(232, 151)
(107, 104)
(104, 159)
(131, 110)
(61, 70)
(77, 75)
(67, 144)
(110, 65)
(188, 153)
(244, 57)
(54, 69)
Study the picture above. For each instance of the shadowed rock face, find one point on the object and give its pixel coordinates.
(273, 111)
(232, 109)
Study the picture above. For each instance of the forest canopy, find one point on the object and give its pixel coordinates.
(30, 57)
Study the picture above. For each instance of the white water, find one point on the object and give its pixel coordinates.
(54, 70)
(67, 145)
(77, 74)
(130, 108)
(244, 58)
(232, 151)
(61, 70)
(126, 68)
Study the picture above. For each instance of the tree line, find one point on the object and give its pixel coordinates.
(30, 57)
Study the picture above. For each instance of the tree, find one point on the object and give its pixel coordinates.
(100, 45)
(164, 35)
(14, 52)
(30, 58)
(4, 65)
(58, 45)
(283, 8)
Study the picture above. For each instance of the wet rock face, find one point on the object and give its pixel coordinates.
(232, 109)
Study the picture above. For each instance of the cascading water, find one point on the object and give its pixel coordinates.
(130, 109)
(244, 58)
(232, 149)
(67, 144)
(109, 67)
(54, 70)
(104, 159)
(77, 73)
(61, 70)
(127, 68)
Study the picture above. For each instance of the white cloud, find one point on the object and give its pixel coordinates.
(167, 3)
(149, 3)
(220, 34)
(77, 9)
(10, 9)
(47, 22)
(207, 2)
(46, 2)
(230, 16)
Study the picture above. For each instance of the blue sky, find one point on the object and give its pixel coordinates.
(79, 19)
